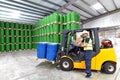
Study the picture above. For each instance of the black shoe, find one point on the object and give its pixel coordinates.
(87, 76)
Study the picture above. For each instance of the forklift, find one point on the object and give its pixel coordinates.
(103, 58)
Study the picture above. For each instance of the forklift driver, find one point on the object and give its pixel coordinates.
(87, 45)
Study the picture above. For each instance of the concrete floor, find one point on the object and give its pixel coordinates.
(22, 65)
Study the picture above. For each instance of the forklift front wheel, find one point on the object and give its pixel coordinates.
(66, 64)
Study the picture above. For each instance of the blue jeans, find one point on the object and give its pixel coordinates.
(88, 57)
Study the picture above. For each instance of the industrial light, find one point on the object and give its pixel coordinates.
(104, 11)
(97, 6)
(15, 14)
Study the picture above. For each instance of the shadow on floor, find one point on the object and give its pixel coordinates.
(48, 65)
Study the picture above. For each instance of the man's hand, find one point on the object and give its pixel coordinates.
(84, 45)
(79, 40)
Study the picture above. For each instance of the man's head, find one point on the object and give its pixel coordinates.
(84, 34)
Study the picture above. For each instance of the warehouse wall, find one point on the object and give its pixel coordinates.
(110, 20)
(112, 34)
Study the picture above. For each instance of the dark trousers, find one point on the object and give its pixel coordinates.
(88, 57)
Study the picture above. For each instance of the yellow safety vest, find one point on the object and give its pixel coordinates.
(89, 46)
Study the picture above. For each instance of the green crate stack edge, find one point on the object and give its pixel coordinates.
(50, 28)
(14, 36)
(72, 22)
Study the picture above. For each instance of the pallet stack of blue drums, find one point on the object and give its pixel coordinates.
(47, 50)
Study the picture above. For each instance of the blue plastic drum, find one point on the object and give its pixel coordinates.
(52, 49)
(41, 50)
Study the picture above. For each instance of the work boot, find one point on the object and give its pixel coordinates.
(88, 75)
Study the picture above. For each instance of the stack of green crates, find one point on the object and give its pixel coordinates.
(29, 37)
(21, 37)
(7, 37)
(2, 37)
(72, 21)
(50, 28)
(14, 36)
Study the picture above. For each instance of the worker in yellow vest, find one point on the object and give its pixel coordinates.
(87, 45)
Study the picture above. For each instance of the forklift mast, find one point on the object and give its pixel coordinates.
(64, 40)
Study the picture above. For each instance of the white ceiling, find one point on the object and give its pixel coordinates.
(30, 11)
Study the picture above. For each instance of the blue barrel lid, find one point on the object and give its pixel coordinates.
(43, 42)
(53, 43)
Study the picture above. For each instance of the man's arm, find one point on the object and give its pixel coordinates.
(79, 41)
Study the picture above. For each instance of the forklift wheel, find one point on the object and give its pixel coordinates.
(109, 68)
(66, 64)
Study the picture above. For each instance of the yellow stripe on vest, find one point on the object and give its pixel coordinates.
(89, 45)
